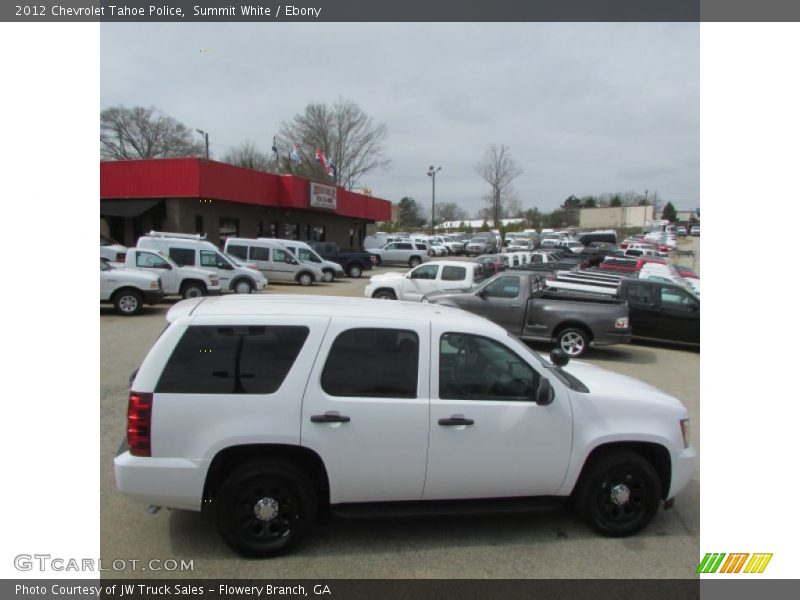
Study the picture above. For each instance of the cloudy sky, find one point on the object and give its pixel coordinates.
(585, 108)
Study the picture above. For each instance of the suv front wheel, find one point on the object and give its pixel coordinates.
(619, 493)
(264, 507)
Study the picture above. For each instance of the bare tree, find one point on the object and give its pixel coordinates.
(247, 155)
(499, 170)
(131, 133)
(450, 211)
(348, 137)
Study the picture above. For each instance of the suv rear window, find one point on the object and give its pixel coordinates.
(373, 363)
(232, 359)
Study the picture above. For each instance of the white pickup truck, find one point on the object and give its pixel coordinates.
(187, 282)
(128, 290)
(431, 277)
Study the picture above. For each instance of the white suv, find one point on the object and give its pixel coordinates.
(264, 409)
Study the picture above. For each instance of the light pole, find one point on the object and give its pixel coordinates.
(432, 174)
(205, 135)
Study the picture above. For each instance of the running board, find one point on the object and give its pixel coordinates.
(424, 508)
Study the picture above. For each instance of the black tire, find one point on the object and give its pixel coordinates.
(271, 486)
(574, 341)
(414, 261)
(193, 290)
(355, 270)
(127, 302)
(385, 295)
(328, 276)
(619, 493)
(305, 279)
(242, 286)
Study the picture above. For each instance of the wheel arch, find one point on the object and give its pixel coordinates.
(246, 278)
(228, 459)
(190, 281)
(654, 453)
(385, 289)
(573, 324)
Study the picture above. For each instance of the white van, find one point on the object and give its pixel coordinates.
(195, 251)
(307, 254)
(274, 260)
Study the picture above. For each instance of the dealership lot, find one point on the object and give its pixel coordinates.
(551, 544)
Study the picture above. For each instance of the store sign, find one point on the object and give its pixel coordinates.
(322, 196)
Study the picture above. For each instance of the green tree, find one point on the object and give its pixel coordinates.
(533, 218)
(485, 226)
(408, 213)
(669, 214)
(589, 202)
(615, 201)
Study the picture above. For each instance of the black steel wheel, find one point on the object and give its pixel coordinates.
(264, 508)
(619, 494)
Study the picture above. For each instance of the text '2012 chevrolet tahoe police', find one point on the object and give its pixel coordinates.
(265, 409)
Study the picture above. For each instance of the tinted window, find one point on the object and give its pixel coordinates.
(673, 298)
(425, 272)
(375, 363)
(182, 256)
(403, 246)
(640, 293)
(478, 368)
(238, 251)
(503, 287)
(454, 273)
(232, 359)
(259, 253)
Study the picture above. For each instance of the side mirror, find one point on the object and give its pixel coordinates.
(225, 266)
(558, 357)
(167, 267)
(544, 393)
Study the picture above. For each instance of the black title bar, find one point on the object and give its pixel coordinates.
(405, 10)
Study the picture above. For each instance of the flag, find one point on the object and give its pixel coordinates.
(321, 158)
(295, 153)
(274, 146)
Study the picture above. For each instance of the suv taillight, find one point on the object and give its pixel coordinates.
(140, 411)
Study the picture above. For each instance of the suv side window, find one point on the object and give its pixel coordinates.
(403, 246)
(473, 367)
(280, 256)
(640, 293)
(373, 363)
(503, 287)
(182, 256)
(236, 359)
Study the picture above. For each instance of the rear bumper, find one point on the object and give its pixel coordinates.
(609, 338)
(171, 482)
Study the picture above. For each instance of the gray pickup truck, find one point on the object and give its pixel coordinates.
(519, 302)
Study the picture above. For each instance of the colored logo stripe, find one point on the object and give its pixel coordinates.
(713, 562)
(758, 563)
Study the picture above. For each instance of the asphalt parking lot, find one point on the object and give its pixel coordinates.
(542, 545)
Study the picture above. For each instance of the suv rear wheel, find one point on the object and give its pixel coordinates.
(264, 507)
(619, 493)
(414, 261)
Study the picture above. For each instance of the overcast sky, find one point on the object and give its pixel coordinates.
(585, 108)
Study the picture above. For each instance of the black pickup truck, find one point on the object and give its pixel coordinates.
(520, 302)
(354, 262)
(659, 310)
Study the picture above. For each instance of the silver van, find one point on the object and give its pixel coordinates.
(274, 260)
(307, 254)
